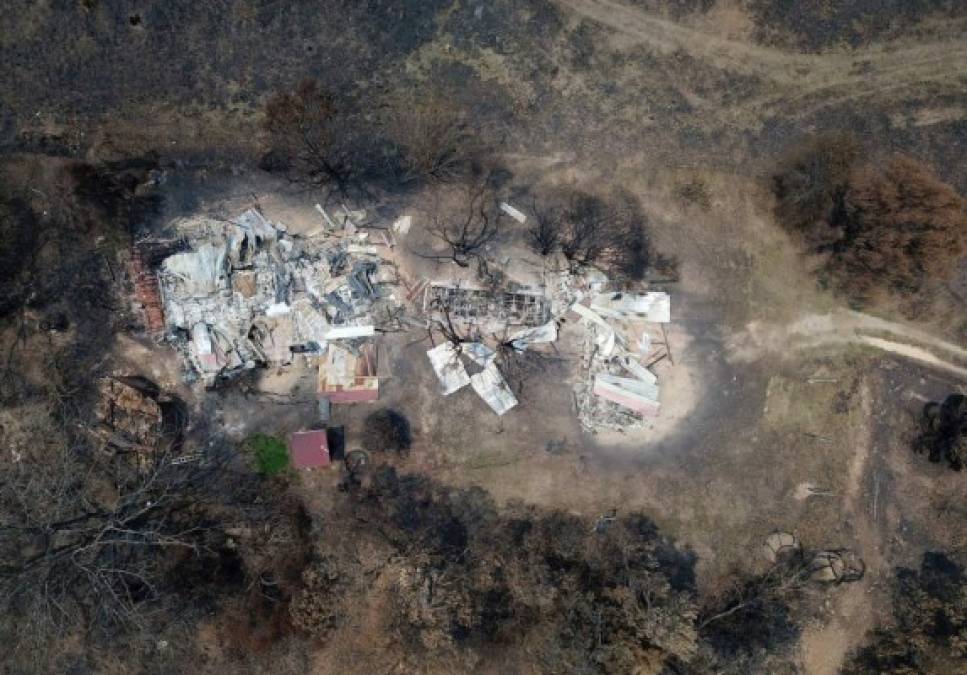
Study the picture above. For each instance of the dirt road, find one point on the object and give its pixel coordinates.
(848, 327)
(825, 645)
(793, 76)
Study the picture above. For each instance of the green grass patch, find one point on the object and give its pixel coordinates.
(271, 454)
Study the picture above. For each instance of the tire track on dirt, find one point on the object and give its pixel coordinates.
(848, 327)
(825, 645)
(798, 76)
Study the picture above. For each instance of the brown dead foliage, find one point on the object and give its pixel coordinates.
(455, 577)
(902, 226)
(881, 228)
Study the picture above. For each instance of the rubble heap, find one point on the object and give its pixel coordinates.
(625, 337)
(128, 414)
(480, 310)
(246, 293)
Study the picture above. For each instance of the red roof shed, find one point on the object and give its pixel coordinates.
(309, 449)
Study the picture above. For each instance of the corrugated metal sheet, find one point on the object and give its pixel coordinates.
(493, 389)
(445, 360)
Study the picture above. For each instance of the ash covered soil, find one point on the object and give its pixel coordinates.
(780, 411)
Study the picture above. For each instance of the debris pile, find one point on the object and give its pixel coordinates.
(247, 294)
(485, 308)
(242, 293)
(625, 337)
(129, 414)
(448, 362)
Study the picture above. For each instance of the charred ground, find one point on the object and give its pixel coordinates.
(118, 118)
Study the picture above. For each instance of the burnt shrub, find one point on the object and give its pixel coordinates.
(387, 430)
(879, 228)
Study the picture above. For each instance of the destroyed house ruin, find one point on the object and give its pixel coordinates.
(624, 339)
(482, 306)
(247, 294)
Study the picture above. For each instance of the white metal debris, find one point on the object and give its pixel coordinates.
(310, 323)
(493, 389)
(277, 309)
(513, 213)
(522, 339)
(402, 225)
(325, 216)
(630, 393)
(629, 363)
(348, 332)
(446, 363)
(604, 333)
(654, 306)
(478, 352)
(197, 273)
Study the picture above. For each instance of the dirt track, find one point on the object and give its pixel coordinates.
(846, 327)
(857, 73)
(826, 645)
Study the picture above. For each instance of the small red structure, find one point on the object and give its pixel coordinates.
(309, 449)
(147, 292)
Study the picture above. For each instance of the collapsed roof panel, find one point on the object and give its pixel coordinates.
(493, 389)
(603, 332)
(523, 339)
(654, 306)
(197, 273)
(478, 352)
(348, 332)
(449, 370)
(246, 293)
(635, 394)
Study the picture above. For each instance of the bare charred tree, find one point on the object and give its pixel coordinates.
(756, 612)
(107, 540)
(928, 627)
(811, 182)
(544, 236)
(611, 235)
(57, 268)
(590, 228)
(442, 322)
(436, 141)
(469, 228)
(23, 239)
(309, 137)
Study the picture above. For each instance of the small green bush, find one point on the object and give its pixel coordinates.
(271, 454)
